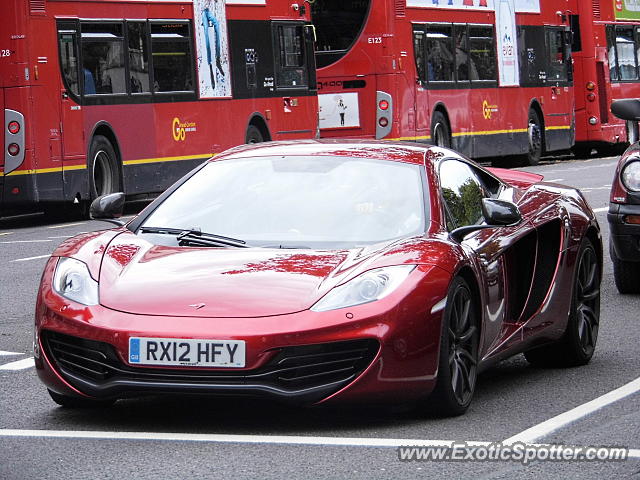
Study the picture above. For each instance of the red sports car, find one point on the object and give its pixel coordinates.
(322, 271)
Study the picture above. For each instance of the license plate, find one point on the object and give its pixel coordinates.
(186, 352)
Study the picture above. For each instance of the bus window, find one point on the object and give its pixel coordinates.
(465, 70)
(138, 57)
(338, 24)
(102, 58)
(626, 55)
(555, 48)
(290, 66)
(418, 52)
(482, 52)
(172, 60)
(440, 57)
(68, 57)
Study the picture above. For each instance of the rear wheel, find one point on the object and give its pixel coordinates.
(254, 135)
(104, 172)
(457, 368)
(440, 131)
(578, 343)
(78, 402)
(535, 139)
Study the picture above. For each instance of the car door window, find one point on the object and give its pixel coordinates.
(462, 194)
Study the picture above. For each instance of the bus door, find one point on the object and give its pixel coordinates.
(558, 107)
(71, 127)
(421, 97)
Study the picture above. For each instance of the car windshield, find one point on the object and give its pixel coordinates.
(298, 202)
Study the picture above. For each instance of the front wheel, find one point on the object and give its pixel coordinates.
(104, 171)
(254, 135)
(626, 275)
(578, 343)
(440, 131)
(457, 368)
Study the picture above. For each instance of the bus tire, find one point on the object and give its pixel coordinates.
(254, 135)
(440, 131)
(535, 139)
(104, 172)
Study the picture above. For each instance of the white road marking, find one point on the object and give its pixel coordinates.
(549, 426)
(27, 241)
(19, 365)
(31, 258)
(57, 237)
(251, 439)
(555, 180)
(6, 233)
(601, 209)
(591, 189)
(4, 352)
(67, 225)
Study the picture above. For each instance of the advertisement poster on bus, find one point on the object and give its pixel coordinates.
(521, 6)
(508, 71)
(212, 48)
(339, 110)
(627, 9)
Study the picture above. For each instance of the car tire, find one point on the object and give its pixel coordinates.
(626, 275)
(458, 359)
(254, 135)
(440, 131)
(78, 402)
(104, 171)
(535, 140)
(578, 342)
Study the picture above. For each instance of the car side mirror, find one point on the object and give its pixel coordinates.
(108, 208)
(500, 212)
(496, 213)
(626, 109)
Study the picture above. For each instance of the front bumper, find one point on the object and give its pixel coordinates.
(386, 350)
(624, 238)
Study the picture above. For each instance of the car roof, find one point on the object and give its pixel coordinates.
(381, 150)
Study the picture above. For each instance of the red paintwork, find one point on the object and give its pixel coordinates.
(389, 66)
(587, 64)
(59, 133)
(263, 296)
(516, 177)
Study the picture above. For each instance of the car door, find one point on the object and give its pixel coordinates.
(497, 251)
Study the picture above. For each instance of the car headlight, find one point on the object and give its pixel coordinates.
(368, 287)
(631, 176)
(72, 280)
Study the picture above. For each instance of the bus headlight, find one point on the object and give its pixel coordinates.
(72, 280)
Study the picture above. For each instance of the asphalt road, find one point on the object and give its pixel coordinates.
(169, 437)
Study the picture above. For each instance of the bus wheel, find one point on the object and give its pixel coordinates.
(440, 132)
(104, 175)
(534, 137)
(254, 135)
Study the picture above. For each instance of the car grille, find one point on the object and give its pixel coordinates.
(291, 369)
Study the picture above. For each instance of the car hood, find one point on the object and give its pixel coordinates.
(142, 278)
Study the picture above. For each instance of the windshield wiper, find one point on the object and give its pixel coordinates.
(194, 236)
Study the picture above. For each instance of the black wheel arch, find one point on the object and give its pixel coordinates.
(259, 121)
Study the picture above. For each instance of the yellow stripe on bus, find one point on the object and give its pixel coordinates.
(67, 168)
(167, 159)
(483, 132)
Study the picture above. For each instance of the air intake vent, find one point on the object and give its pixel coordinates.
(401, 7)
(36, 6)
(293, 370)
(596, 9)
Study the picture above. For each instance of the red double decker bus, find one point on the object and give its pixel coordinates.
(490, 78)
(128, 95)
(606, 44)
